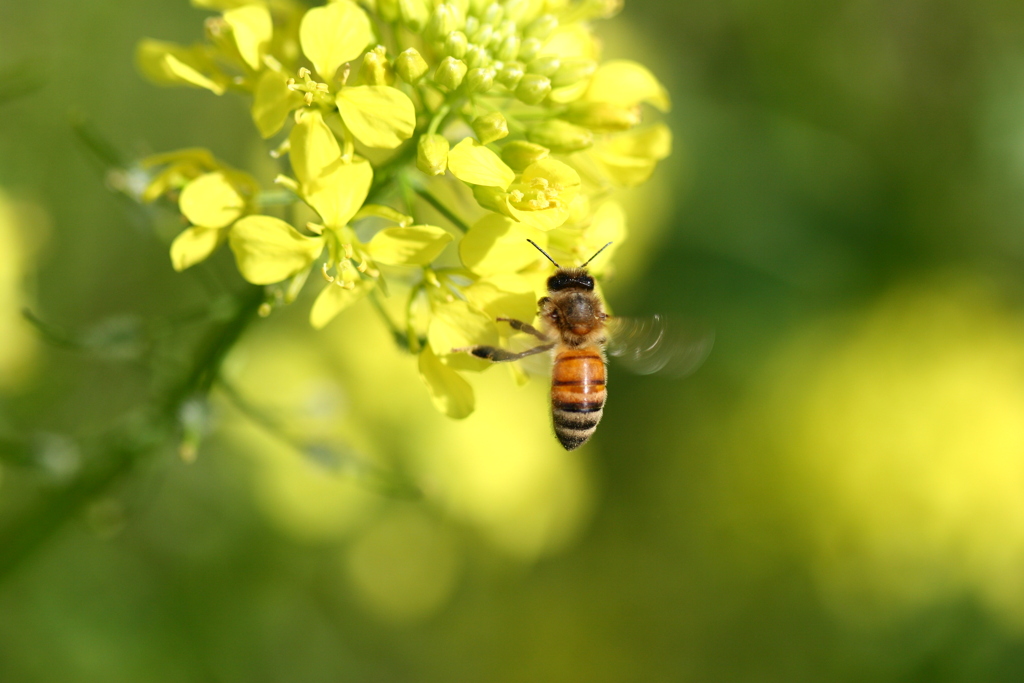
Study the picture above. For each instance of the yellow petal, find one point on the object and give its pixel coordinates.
(313, 149)
(334, 34)
(572, 41)
(378, 115)
(457, 324)
(630, 158)
(211, 201)
(417, 245)
(626, 84)
(171, 64)
(272, 101)
(338, 196)
(181, 166)
(608, 225)
(334, 299)
(507, 296)
(563, 185)
(450, 393)
(475, 164)
(496, 244)
(252, 29)
(269, 250)
(193, 245)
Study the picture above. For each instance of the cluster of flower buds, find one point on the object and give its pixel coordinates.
(496, 120)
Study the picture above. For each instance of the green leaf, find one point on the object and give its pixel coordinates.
(211, 201)
(334, 34)
(269, 250)
(252, 28)
(334, 299)
(378, 115)
(193, 245)
(417, 245)
(272, 102)
(450, 393)
(475, 164)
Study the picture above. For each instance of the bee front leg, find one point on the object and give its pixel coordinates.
(496, 355)
(524, 327)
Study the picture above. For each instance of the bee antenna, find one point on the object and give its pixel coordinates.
(595, 255)
(545, 253)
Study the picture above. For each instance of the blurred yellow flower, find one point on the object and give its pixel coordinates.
(900, 437)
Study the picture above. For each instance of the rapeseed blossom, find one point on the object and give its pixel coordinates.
(426, 142)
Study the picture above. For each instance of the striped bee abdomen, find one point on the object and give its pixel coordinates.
(577, 394)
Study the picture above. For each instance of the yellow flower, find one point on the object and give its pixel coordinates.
(509, 99)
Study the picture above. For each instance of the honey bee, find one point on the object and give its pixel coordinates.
(576, 328)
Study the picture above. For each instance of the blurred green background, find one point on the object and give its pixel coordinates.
(837, 495)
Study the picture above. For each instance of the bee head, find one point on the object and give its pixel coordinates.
(571, 278)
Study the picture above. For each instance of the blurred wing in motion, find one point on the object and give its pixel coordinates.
(654, 344)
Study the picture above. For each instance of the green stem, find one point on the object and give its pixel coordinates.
(440, 207)
(124, 449)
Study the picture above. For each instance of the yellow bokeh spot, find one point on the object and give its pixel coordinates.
(22, 227)
(902, 435)
(404, 567)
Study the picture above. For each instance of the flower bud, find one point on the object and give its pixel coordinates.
(490, 127)
(529, 49)
(450, 72)
(561, 137)
(572, 71)
(456, 44)
(493, 14)
(414, 14)
(482, 36)
(519, 154)
(541, 27)
(376, 69)
(491, 198)
(432, 154)
(533, 88)
(545, 65)
(602, 117)
(510, 75)
(480, 80)
(477, 57)
(472, 26)
(442, 22)
(508, 49)
(411, 66)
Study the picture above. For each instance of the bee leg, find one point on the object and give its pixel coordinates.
(496, 355)
(524, 327)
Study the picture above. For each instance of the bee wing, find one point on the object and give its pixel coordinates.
(654, 344)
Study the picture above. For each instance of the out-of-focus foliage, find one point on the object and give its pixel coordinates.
(835, 496)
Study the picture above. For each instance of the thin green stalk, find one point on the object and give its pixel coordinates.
(123, 450)
(441, 208)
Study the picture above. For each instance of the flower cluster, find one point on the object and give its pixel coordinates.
(494, 119)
